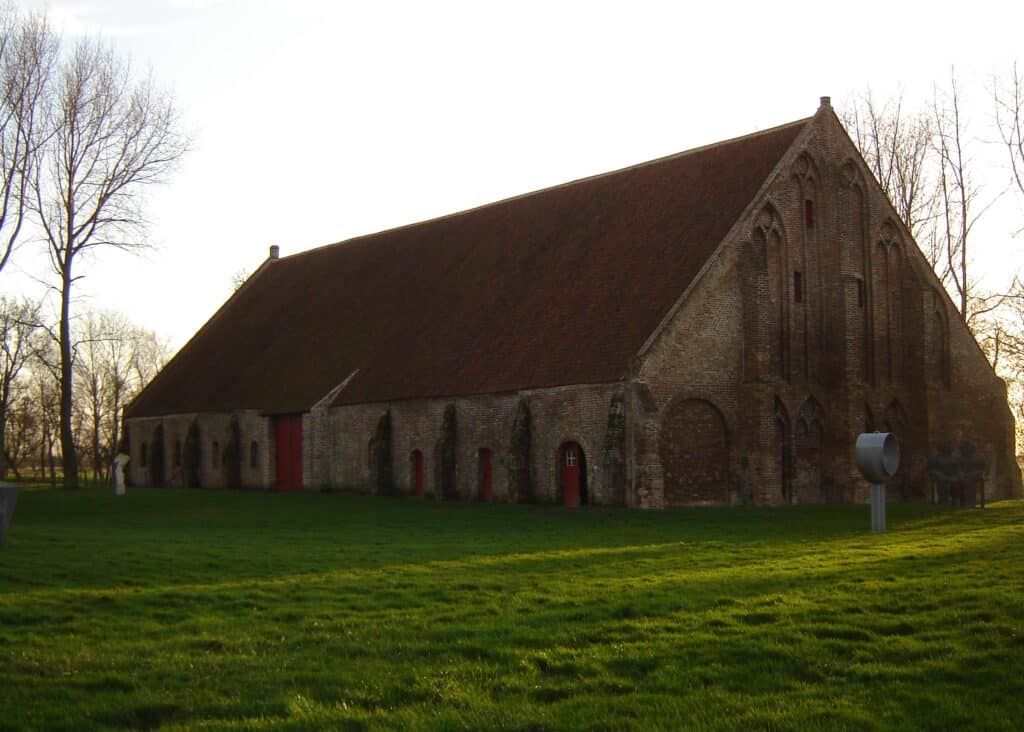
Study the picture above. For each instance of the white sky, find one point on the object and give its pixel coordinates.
(317, 121)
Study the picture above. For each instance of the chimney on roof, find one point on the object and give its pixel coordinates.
(826, 101)
(275, 251)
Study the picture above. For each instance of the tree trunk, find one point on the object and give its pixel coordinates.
(53, 463)
(69, 461)
(42, 453)
(96, 458)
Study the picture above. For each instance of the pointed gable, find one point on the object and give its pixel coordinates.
(557, 287)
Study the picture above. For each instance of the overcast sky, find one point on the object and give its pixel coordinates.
(317, 121)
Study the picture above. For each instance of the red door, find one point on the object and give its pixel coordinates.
(417, 473)
(486, 484)
(288, 451)
(571, 474)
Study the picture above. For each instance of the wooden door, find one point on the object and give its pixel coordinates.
(571, 474)
(288, 451)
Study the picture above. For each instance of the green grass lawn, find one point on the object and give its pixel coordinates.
(184, 609)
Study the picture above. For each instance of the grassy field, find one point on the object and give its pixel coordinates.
(186, 609)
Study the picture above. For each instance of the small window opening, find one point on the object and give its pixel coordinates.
(144, 457)
(215, 454)
(860, 293)
(254, 455)
(798, 287)
(809, 214)
(177, 454)
(570, 458)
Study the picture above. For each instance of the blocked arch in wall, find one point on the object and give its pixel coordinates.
(783, 451)
(854, 224)
(938, 344)
(809, 444)
(694, 451)
(768, 324)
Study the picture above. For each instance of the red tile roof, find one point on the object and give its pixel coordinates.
(561, 286)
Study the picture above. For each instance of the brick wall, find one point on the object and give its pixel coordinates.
(573, 413)
(253, 428)
(817, 318)
(813, 322)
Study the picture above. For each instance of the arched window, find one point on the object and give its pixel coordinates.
(770, 244)
(254, 455)
(853, 228)
(810, 430)
(809, 453)
(805, 258)
(938, 351)
(887, 287)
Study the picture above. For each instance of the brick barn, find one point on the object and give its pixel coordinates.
(714, 327)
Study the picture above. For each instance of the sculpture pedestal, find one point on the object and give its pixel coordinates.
(878, 507)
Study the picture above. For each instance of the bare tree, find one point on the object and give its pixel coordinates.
(923, 161)
(93, 388)
(113, 136)
(1009, 102)
(897, 146)
(18, 324)
(238, 278)
(120, 352)
(27, 52)
(44, 385)
(151, 354)
(21, 431)
(959, 208)
(111, 355)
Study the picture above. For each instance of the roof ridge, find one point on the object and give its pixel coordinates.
(546, 189)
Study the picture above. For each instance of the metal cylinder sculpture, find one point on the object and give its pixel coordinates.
(878, 458)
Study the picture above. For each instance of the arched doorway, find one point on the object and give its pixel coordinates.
(572, 466)
(485, 474)
(416, 473)
(694, 450)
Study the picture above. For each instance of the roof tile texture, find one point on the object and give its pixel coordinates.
(561, 286)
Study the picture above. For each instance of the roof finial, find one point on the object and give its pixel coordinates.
(275, 251)
(826, 101)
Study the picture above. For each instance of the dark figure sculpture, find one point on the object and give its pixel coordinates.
(972, 475)
(943, 471)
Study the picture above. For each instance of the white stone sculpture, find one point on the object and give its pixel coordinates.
(119, 464)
